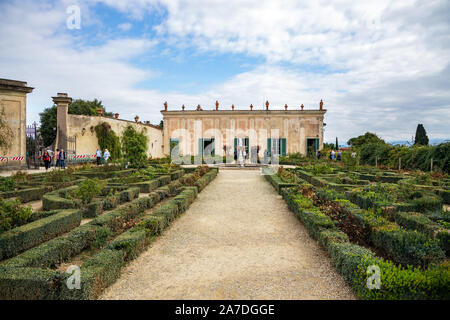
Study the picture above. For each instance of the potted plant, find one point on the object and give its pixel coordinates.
(116, 116)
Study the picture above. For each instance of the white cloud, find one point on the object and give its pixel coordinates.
(125, 26)
(393, 59)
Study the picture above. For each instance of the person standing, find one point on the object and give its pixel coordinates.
(58, 162)
(62, 159)
(99, 156)
(106, 155)
(332, 154)
(50, 154)
(46, 159)
(339, 155)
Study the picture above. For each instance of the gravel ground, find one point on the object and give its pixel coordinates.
(238, 240)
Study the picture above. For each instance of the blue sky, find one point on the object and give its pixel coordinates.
(380, 66)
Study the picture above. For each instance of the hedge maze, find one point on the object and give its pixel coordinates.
(367, 217)
(95, 218)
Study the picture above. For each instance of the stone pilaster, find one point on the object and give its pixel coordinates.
(62, 101)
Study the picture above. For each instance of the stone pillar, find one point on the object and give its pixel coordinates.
(62, 101)
(13, 101)
(321, 133)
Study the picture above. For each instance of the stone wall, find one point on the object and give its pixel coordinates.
(13, 101)
(82, 127)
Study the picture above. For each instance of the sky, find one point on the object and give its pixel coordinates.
(380, 66)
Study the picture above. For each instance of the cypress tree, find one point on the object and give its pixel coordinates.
(337, 145)
(421, 136)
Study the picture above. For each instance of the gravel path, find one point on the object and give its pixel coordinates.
(238, 240)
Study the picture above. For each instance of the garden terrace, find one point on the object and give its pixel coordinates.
(33, 265)
(410, 249)
(32, 187)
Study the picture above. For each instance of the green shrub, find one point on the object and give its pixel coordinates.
(13, 214)
(29, 284)
(153, 225)
(59, 176)
(88, 190)
(408, 247)
(101, 235)
(134, 146)
(132, 243)
(97, 273)
(14, 241)
(7, 184)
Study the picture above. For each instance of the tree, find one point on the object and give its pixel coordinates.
(367, 138)
(134, 147)
(337, 144)
(79, 107)
(161, 124)
(87, 108)
(48, 125)
(421, 136)
(5, 131)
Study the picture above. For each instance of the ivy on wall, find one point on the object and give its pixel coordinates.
(107, 139)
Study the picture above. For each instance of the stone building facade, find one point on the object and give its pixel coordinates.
(273, 131)
(13, 100)
(76, 133)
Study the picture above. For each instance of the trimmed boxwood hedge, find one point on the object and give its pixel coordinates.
(97, 273)
(407, 247)
(27, 195)
(32, 234)
(277, 183)
(29, 284)
(132, 242)
(102, 269)
(352, 262)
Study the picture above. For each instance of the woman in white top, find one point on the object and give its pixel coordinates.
(106, 155)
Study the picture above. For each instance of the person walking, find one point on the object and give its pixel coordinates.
(50, 154)
(106, 155)
(46, 159)
(99, 156)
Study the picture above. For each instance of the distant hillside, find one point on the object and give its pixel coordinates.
(433, 141)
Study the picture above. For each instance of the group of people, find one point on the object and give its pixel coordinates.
(336, 155)
(61, 157)
(106, 155)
